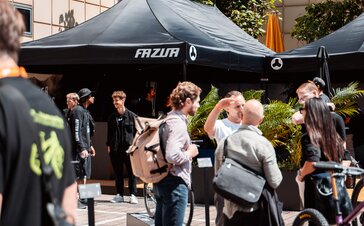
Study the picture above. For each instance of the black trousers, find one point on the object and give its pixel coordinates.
(118, 158)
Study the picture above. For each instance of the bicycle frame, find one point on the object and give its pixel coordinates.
(353, 214)
(356, 211)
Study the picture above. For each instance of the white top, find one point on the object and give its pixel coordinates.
(224, 127)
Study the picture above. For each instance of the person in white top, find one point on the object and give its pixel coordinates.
(218, 129)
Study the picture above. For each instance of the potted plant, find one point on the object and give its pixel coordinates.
(279, 129)
(206, 150)
(285, 137)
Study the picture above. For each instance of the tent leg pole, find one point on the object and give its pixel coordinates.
(264, 86)
(184, 72)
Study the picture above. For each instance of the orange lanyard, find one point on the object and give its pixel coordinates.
(13, 72)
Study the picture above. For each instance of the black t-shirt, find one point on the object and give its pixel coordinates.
(20, 178)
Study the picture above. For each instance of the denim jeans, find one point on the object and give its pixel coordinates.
(171, 194)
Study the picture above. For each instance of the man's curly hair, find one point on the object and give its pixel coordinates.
(183, 91)
(11, 30)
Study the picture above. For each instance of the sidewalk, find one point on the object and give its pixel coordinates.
(115, 214)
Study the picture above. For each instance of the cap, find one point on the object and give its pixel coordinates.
(84, 92)
(319, 82)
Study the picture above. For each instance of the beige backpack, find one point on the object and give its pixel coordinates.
(147, 153)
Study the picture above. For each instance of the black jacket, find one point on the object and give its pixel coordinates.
(82, 128)
(120, 130)
(270, 208)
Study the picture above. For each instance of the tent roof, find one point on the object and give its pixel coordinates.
(345, 47)
(151, 32)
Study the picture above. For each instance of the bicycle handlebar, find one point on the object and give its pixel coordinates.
(338, 167)
(328, 165)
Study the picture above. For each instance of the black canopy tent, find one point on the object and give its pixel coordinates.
(147, 40)
(344, 46)
(149, 32)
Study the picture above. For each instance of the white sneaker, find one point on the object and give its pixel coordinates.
(118, 198)
(133, 199)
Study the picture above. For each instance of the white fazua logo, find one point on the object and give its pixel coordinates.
(193, 53)
(276, 63)
(156, 53)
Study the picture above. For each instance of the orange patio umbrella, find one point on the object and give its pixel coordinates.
(274, 36)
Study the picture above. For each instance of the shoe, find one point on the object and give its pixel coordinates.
(80, 205)
(117, 199)
(133, 199)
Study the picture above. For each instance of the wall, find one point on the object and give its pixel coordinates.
(52, 16)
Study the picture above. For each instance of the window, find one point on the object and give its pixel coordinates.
(26, 11)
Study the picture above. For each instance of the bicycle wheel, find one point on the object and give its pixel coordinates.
(189, 209)
(310, 216)
(357, 197)
(149, 199)
(358, 193)
(151, 203)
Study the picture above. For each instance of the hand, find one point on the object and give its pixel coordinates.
(331, 106)
(297, 118)
(84, 154)
(192, 150)
(92, 151)
(299, 176)
(226, 102)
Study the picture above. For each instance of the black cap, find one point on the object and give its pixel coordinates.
(319, 82)
(84, 92)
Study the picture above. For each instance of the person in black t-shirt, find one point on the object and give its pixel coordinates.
(120, 135)
(22, 196)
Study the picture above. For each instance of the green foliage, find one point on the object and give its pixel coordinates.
(197, 122)
(253, 94)
(277, 126)
(345, 99)
(279, 129)
(248, 15)
(323, 18)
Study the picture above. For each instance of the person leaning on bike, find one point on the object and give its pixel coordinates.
(321, 142)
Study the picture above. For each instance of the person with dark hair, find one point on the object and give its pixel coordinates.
(321, 142)
(30, 125)
(120, 133)
(218, 129)
(146, 105)
(320, 83)
(171, 192)
(82, 129)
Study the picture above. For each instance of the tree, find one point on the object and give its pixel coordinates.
(248, 15)
(323, 18)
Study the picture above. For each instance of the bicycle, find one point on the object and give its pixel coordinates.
(315, 217)
(357, 195)
(150, 203)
